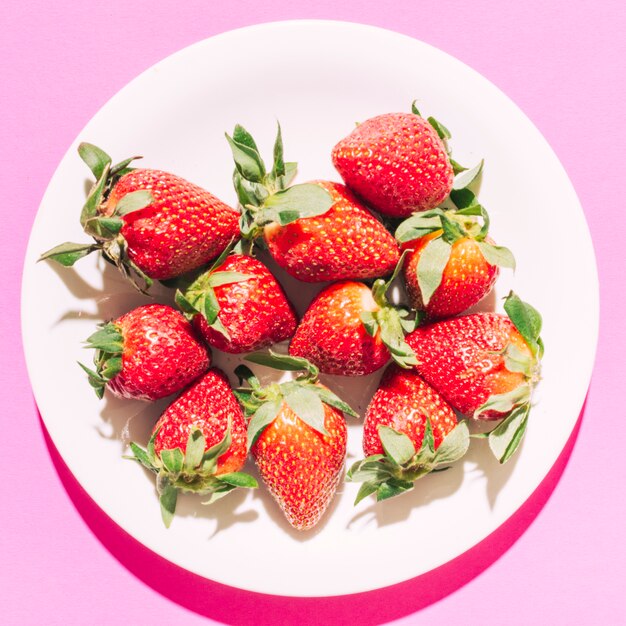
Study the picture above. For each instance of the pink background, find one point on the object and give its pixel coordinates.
(560, 560)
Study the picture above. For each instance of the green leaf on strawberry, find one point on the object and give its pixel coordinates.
(284, 362)
(134, 201)
(395, 472)
(527, 320)
(467, 177)
(507, 436)
(263, 416)
(496, 255)
(397, 446)
(68, 253)
(108, 342)
(442, 131)
(95, 158)
(267, 197)
(504, 403)
(193, 470)
(103, 225)
(390, 321)
(304, 395)
(306, 403)
(199, 297)
(431, 266)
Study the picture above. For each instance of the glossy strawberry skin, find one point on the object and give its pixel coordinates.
(300, 466)
(255, 312)
(332, 336)
(396, 163)
(208, 405)
(346, 242)
(183, 229)
(466, 280)
(404, 402)
(161, 353)
(462, 358)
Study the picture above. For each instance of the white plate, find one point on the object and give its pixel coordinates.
(318, 79)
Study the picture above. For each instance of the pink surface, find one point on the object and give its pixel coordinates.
(560, 560)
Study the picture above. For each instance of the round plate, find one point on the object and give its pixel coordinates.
(318, 79)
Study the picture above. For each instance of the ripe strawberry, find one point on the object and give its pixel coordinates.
(318, 231)
(146, 354)
(396, 162)
(409, 431)
(238, 306)
(149, 223)
(346, 242)
(198, 445)
(298, 437)
(453, 264)
(485, 366)
(352, 330)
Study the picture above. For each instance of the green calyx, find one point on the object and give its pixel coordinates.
(268, 196)
(395, 472)
(514, 406)
(191, 471)
(108, 343)
(463, 221)
(392, 322)
(304, 396)
(199, 298)
(105, 226)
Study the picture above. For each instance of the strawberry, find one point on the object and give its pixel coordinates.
(147, 354)
(397, 163)
(317, 231)
(485, 366)
(297, 435)
(409, 431)
(453, 263)
(352, 330)
(150, 224)
(346, 242)
(198, 445)
(238, 305)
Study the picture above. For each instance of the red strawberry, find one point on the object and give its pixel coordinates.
(409, 430)
(453, 264)
(298, 438)
(396, 162)
(345, 242)
(238, 306)
(485, 366)
(349, 330)
(198, 445)
(317, 231)
(151, 224)
(147, 353)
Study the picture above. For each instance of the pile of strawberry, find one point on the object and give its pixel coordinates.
(448, 371)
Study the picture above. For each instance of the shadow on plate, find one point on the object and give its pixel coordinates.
(244, 608)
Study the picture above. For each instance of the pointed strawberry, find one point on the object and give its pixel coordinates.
(317, 231)
(485, 366)
(453, 264)
(238, 306)
(397, 163)
(198, 445)
(409, 431)
(297, 435)
(146, 354)
(150, 224)
(351, 329)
